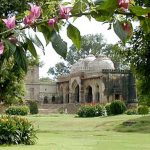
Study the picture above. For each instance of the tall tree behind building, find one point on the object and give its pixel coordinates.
(91, 44)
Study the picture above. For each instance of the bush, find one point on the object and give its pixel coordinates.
(143, 110)
(117, 107)
(86, 111)
(98, 110)
(131, 112)
(33, 107)
(17, 110)
(16, 130)
(107, 107)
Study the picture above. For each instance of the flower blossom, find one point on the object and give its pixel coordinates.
(1, 48)
(28, 20)
(35, 10)
(52, 22)
(34, 14)
(10, 22)
(124, 3)
(64, 12)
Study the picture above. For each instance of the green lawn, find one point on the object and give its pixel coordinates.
(67, 132)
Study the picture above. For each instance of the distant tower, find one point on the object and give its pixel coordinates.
(33, 83)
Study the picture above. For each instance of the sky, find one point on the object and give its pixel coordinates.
(86, 27)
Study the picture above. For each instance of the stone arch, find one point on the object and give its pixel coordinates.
(45, 100)
(76, 93)
(88, 95)
(53, 99)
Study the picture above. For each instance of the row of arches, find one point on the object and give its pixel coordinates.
(88, 94)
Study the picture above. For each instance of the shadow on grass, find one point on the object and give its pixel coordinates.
(139, 125)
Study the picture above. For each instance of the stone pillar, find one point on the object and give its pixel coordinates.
(81, 93)
(94, 94)
(81, 100)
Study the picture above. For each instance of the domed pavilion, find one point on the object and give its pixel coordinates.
(95, 80)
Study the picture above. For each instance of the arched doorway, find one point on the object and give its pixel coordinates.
(53, 99)
(89, 97)
(77, 94)
(75, 91)
(45, 100)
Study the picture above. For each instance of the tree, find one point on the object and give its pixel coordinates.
(138, 55)
(93, 44)
(59, 69)
(96, 45)
(117, 13)
(15, 60)
(90, 44)
(12, 83)
(48, 17)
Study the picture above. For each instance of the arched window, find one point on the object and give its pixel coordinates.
(89, 96)
(45, 100)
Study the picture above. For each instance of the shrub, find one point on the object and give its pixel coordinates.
(98, 110)
(16, 130)
(17, 110)
(61, 110)
(86, 111)
(33, 107)
(117, 107)
(107, 107)
(131, 112)
(143, 110)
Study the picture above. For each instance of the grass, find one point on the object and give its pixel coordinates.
(66, 132)
(138, 125)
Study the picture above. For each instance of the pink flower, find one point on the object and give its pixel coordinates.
(124, 3)
(35, 13)
(30, 19)
(52, 22)
(1, 48)
(35, 10)
(10, 22)
(64, 12)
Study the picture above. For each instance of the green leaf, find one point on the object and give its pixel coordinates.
(11, 48)
(34, 38)
(20, 58)
(145, 23)
(101, 15)
(31, 48)
(104, 10)
(123, 35)
(139, 11)
(47, 32)
(74, 34)
(79, 7)
(108, 5)
(59, 45)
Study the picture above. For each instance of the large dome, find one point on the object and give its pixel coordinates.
(100, 63)
(91, 63)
